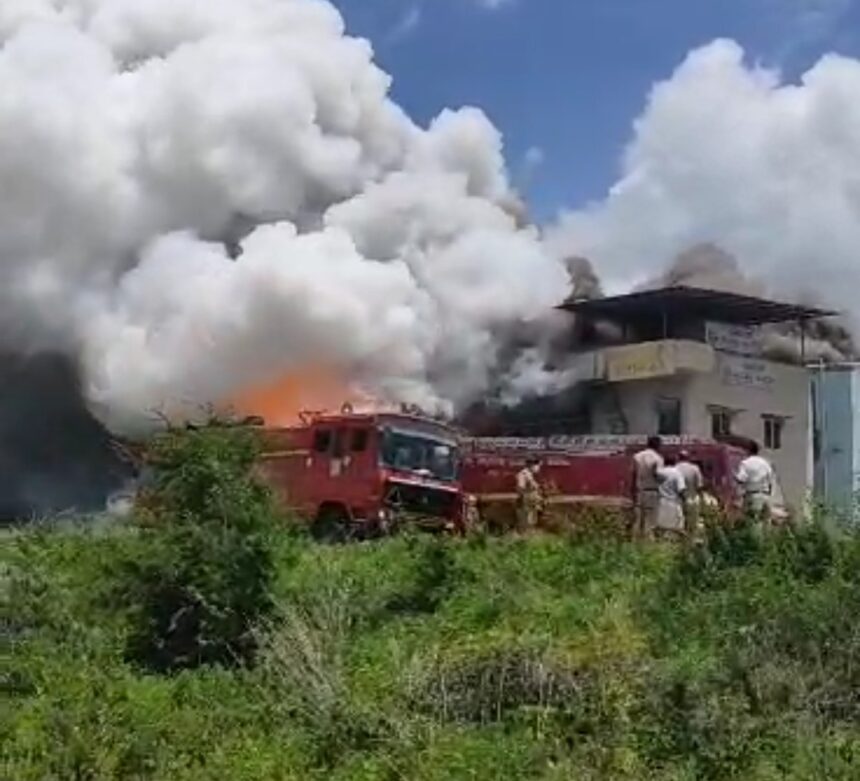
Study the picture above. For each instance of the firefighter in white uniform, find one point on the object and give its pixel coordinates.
(670, 508)
(646, 497)
(755, 476)
(694, 482)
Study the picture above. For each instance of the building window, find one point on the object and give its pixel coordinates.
(773, 428)
(721, 422)
(669, 417)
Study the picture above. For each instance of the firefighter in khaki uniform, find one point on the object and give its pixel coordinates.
(529, 495)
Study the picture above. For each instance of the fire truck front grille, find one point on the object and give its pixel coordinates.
(421, 500)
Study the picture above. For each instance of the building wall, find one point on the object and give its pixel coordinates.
(752, 388)
(855, 416)
(837, 421)
(763, 388)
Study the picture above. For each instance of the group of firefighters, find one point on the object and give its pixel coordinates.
(668, 492)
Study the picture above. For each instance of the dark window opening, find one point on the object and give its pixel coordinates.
(359, 440)
(322, 441)
(721, 423)
(669, 417)
(773, 428)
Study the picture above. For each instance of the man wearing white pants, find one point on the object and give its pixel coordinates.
(646, 497)
(694, 482)
(755, 476)
(670, 513)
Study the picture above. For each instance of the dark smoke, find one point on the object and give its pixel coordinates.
(524, 399)
(706, 266)
(709, 266)
(54, 455)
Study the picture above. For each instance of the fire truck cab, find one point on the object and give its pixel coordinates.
(357, 474)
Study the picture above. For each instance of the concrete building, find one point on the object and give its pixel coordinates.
(687, 361)
(835, 402)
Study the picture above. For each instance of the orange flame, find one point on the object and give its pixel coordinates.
(280, 402)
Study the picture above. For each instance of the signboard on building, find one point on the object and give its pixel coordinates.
(747, 373)
(639, 362)
(736, 339)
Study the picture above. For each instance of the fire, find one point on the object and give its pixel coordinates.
(312, 389)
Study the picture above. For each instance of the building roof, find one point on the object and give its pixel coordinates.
(703, 304)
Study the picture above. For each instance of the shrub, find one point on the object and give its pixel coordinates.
(434, 577)
(489, 685)
(302, 667)
(206, 575)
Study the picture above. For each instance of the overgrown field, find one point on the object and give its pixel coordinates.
(425, 658)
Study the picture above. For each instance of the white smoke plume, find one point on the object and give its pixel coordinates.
(730, 153)
(195, 197)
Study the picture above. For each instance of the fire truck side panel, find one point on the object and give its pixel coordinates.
(285, 467)
(575, 481)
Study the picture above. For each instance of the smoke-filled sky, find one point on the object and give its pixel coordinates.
(199, 197)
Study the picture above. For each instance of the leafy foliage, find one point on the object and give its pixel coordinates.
(535, 658)
(205, 577)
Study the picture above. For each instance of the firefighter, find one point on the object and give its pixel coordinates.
(755, 476)
(645, 486)
(694, 482)
(670, 506)
(471, 514)
(529, 495)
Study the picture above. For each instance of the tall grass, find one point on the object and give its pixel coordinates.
(425, 658)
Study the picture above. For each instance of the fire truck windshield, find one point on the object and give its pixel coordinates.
(414, 452)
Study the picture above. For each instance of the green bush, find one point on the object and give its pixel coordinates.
(486, 686)
(419, 658)
(434, 573)
(206, 575)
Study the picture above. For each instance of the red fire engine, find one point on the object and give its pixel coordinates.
(586, 471)
(356, 474)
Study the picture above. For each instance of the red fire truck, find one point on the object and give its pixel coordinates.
(356, 474)
(586, 472)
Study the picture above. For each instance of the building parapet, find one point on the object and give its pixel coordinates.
(647, 360)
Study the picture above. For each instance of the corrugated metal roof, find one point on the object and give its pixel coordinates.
(695, 302)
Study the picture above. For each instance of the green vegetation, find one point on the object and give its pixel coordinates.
(418, 657)
(201, 573)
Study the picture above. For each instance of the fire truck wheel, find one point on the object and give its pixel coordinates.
(331, 525)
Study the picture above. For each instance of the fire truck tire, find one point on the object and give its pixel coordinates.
(331, 524)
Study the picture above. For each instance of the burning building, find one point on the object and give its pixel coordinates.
(679, 361)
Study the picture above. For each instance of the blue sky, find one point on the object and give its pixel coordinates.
(569, 77)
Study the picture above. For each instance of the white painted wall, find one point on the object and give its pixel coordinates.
(787, 396)
(753, 388)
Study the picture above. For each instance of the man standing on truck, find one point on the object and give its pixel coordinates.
(645, 487)
(755, 476)
(694, 482)
(529, 495)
